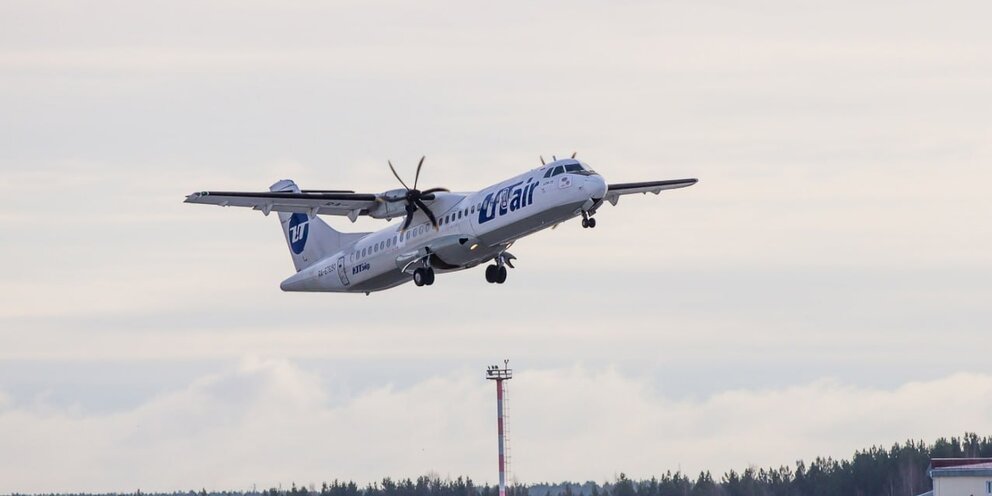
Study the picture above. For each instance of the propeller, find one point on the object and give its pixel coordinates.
(415, 198)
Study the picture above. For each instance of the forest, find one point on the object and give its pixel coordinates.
(900, 470)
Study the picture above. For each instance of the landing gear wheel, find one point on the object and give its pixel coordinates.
(500, 275)
(585, 223)
(419, 277)
(591, 222)
(429, 276)
(491, 273)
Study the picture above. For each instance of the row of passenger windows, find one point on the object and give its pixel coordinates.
(458, 215)
(412, 233)
(388, 243)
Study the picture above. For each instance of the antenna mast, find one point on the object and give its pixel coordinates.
(495, 373)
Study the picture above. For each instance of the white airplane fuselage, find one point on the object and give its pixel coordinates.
(474, 228)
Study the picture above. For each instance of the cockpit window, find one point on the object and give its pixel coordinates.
(548, 174)
(558, 170)
(573, 167)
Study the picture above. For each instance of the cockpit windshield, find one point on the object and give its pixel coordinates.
(571, 167)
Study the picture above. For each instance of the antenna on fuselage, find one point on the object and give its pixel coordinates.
(574, 154)
(542, 159)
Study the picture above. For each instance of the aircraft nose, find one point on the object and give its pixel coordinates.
(596, 186)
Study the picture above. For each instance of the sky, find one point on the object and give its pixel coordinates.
(823, 288)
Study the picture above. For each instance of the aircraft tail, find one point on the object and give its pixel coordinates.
(310, 239)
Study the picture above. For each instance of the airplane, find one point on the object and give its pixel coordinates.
(441, 231)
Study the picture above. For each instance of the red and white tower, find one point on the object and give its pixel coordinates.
(495, 373)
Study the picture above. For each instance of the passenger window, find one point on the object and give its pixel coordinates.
(459, 215)
(473, 209)
(559, 170)
(363, 252)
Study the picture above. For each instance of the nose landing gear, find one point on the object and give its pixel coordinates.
(587, 220)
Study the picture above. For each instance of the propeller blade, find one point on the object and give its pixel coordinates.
(410, 209)
(427, 212)
(397, 175)
(433, 190)
(416, 178)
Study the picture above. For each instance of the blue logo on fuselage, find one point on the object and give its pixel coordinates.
(299, 226)
(508, 199)
(362, 267)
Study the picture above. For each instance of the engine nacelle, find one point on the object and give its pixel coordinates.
(390, 209)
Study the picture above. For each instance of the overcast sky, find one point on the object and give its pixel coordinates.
(824, 287)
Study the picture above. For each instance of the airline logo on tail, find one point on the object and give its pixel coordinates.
(299, 226)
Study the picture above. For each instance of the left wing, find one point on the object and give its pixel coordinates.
(613, 191)
(313, 202)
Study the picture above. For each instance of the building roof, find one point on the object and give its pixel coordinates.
(961, 467)
(957, 462)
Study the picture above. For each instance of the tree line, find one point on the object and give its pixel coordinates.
(900, 470)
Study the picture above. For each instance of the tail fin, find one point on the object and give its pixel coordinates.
(310, 239)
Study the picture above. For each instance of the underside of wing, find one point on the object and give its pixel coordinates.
(311, 202)
(614, 191)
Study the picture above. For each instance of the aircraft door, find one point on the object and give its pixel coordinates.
(342, 272)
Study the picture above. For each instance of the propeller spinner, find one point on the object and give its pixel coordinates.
(415, 198)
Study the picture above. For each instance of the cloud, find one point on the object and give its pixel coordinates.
(268, 422)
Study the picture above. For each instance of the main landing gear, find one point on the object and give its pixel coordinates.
(423, 276)
(496, 273)
(587, 221)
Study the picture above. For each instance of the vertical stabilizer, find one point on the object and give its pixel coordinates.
(310, 239)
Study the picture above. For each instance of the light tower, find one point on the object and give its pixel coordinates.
(495, 373)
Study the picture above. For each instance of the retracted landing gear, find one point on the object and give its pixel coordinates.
(587, 221)
(496, 273)
(423, 276)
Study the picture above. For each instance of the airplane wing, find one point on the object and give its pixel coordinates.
(307, 201)
(614, 191)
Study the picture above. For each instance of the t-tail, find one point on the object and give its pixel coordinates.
(310, 239)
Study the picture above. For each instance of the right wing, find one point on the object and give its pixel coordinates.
(613, 191)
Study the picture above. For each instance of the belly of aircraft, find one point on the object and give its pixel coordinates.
(533, 223)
